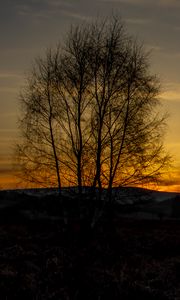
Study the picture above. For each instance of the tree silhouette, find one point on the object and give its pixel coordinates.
(38, 154)
(90, 112)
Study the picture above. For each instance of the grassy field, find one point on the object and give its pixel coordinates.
(124, 259)
(48, 252)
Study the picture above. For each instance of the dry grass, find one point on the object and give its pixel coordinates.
(127, 260)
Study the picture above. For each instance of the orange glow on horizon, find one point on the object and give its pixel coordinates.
(10, 181)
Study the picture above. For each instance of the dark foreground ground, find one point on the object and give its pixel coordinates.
(129, 259)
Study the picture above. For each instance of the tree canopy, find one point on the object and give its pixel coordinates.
(90, 112)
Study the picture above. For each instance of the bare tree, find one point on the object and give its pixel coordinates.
(90, 112)
(73, 79)
(127, 129)
(38, 152)
(134, 128)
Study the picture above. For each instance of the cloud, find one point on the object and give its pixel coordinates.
(11, 75)
(8, 130)
(8, 90)
(74, 15)
(44, 9)
(138, 21)
(170, 96)
(170, 3)
(10, 82)
(171, 92)
(5, 169)
(37, 13)
(124, 1)
(8, 180)
(171, 182)
(59, 3)
(152, 4)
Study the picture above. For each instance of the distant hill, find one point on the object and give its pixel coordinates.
(129, 201)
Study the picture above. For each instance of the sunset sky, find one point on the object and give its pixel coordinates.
(28, 28)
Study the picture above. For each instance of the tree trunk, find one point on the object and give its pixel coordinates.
(55, 157)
